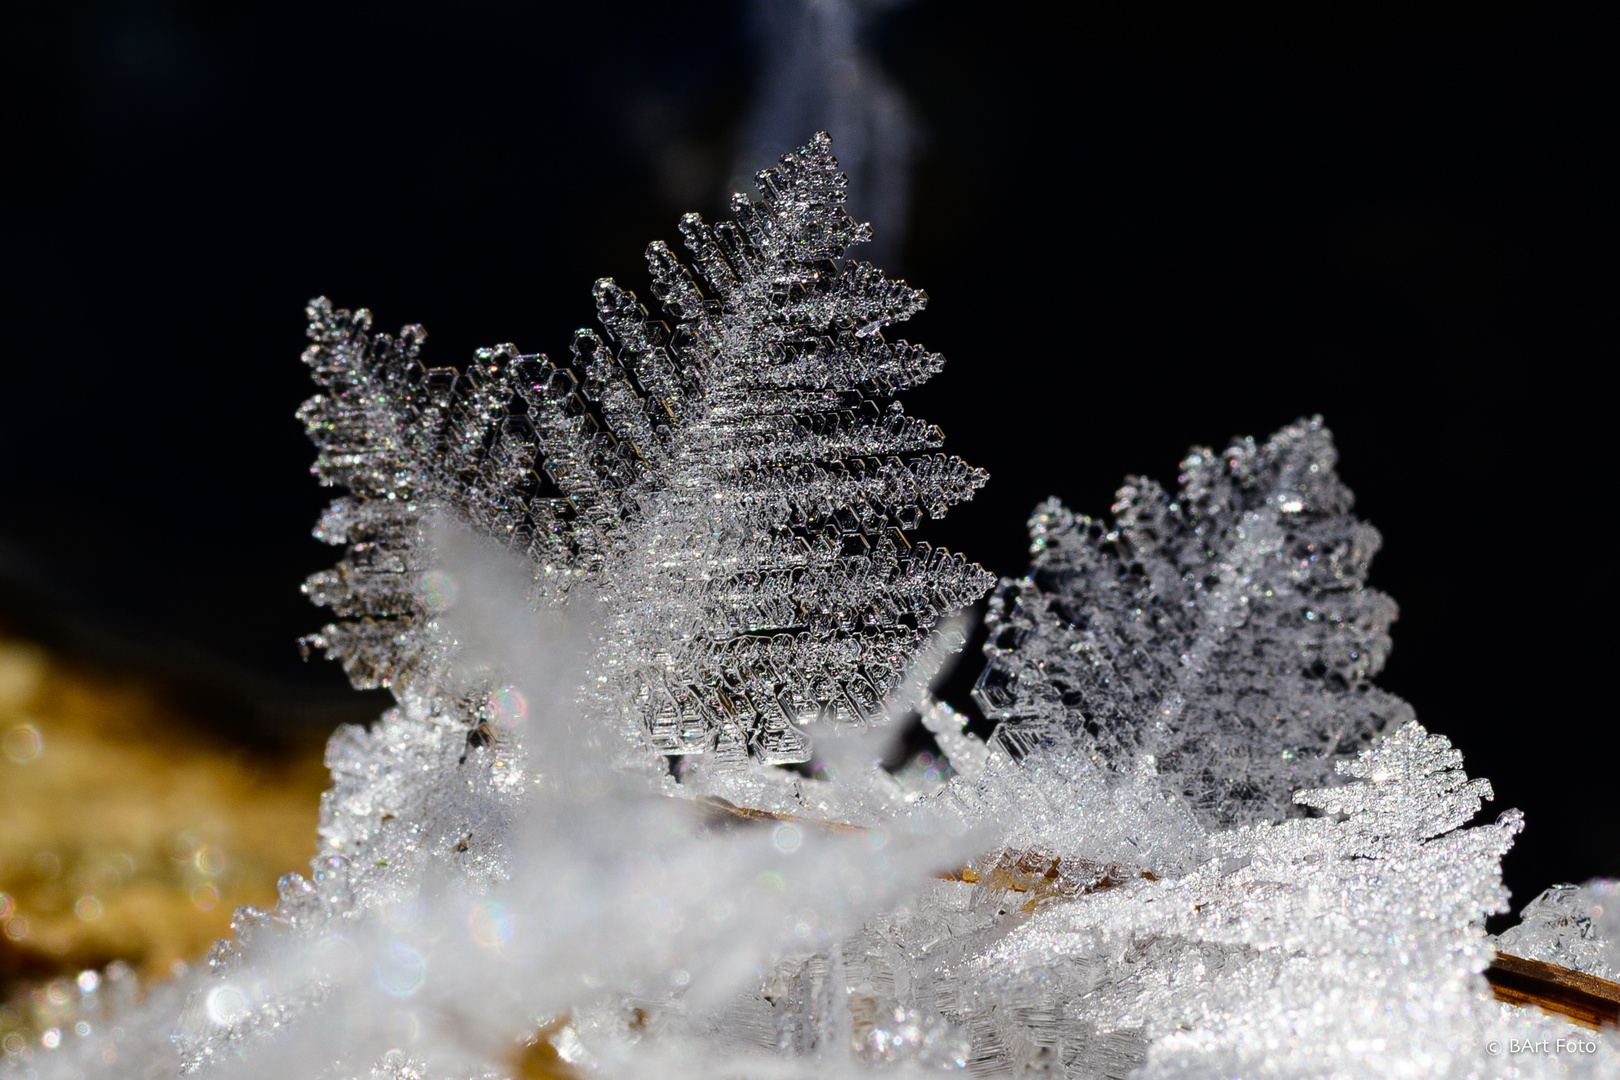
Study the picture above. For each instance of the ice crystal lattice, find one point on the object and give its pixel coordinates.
(1054, 910)
(1107, 887)
(1226, 630)
(1573, 926)
(1348, 944)
(735, 484)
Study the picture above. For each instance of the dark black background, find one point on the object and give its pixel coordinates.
(1140, 229)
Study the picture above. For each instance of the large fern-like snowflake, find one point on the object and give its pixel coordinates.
(735, 484)
(1227, 630)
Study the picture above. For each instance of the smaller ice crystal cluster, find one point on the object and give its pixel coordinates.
(625, 930)
(1226, 630)
(1573, 926)
(1107, 928)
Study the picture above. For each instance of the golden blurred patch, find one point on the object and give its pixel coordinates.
(129, 831)
(537, 1058)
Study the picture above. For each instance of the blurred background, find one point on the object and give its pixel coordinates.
(1141, 229)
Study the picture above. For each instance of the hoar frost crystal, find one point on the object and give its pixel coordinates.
(734, 486)
(1199, 843)
(1226, 630)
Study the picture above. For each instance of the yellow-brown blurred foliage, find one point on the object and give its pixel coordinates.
(128, 831)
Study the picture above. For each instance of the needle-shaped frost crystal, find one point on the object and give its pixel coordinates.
(1226, 629)
(734, 482)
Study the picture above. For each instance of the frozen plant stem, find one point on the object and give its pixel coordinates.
(1585, 999)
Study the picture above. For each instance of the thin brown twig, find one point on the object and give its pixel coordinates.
(1585, 999)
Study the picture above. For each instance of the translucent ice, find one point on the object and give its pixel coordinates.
(1199, 842)
(1226, 630)
(734, 485)
(1573, 926)
(615, 915)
